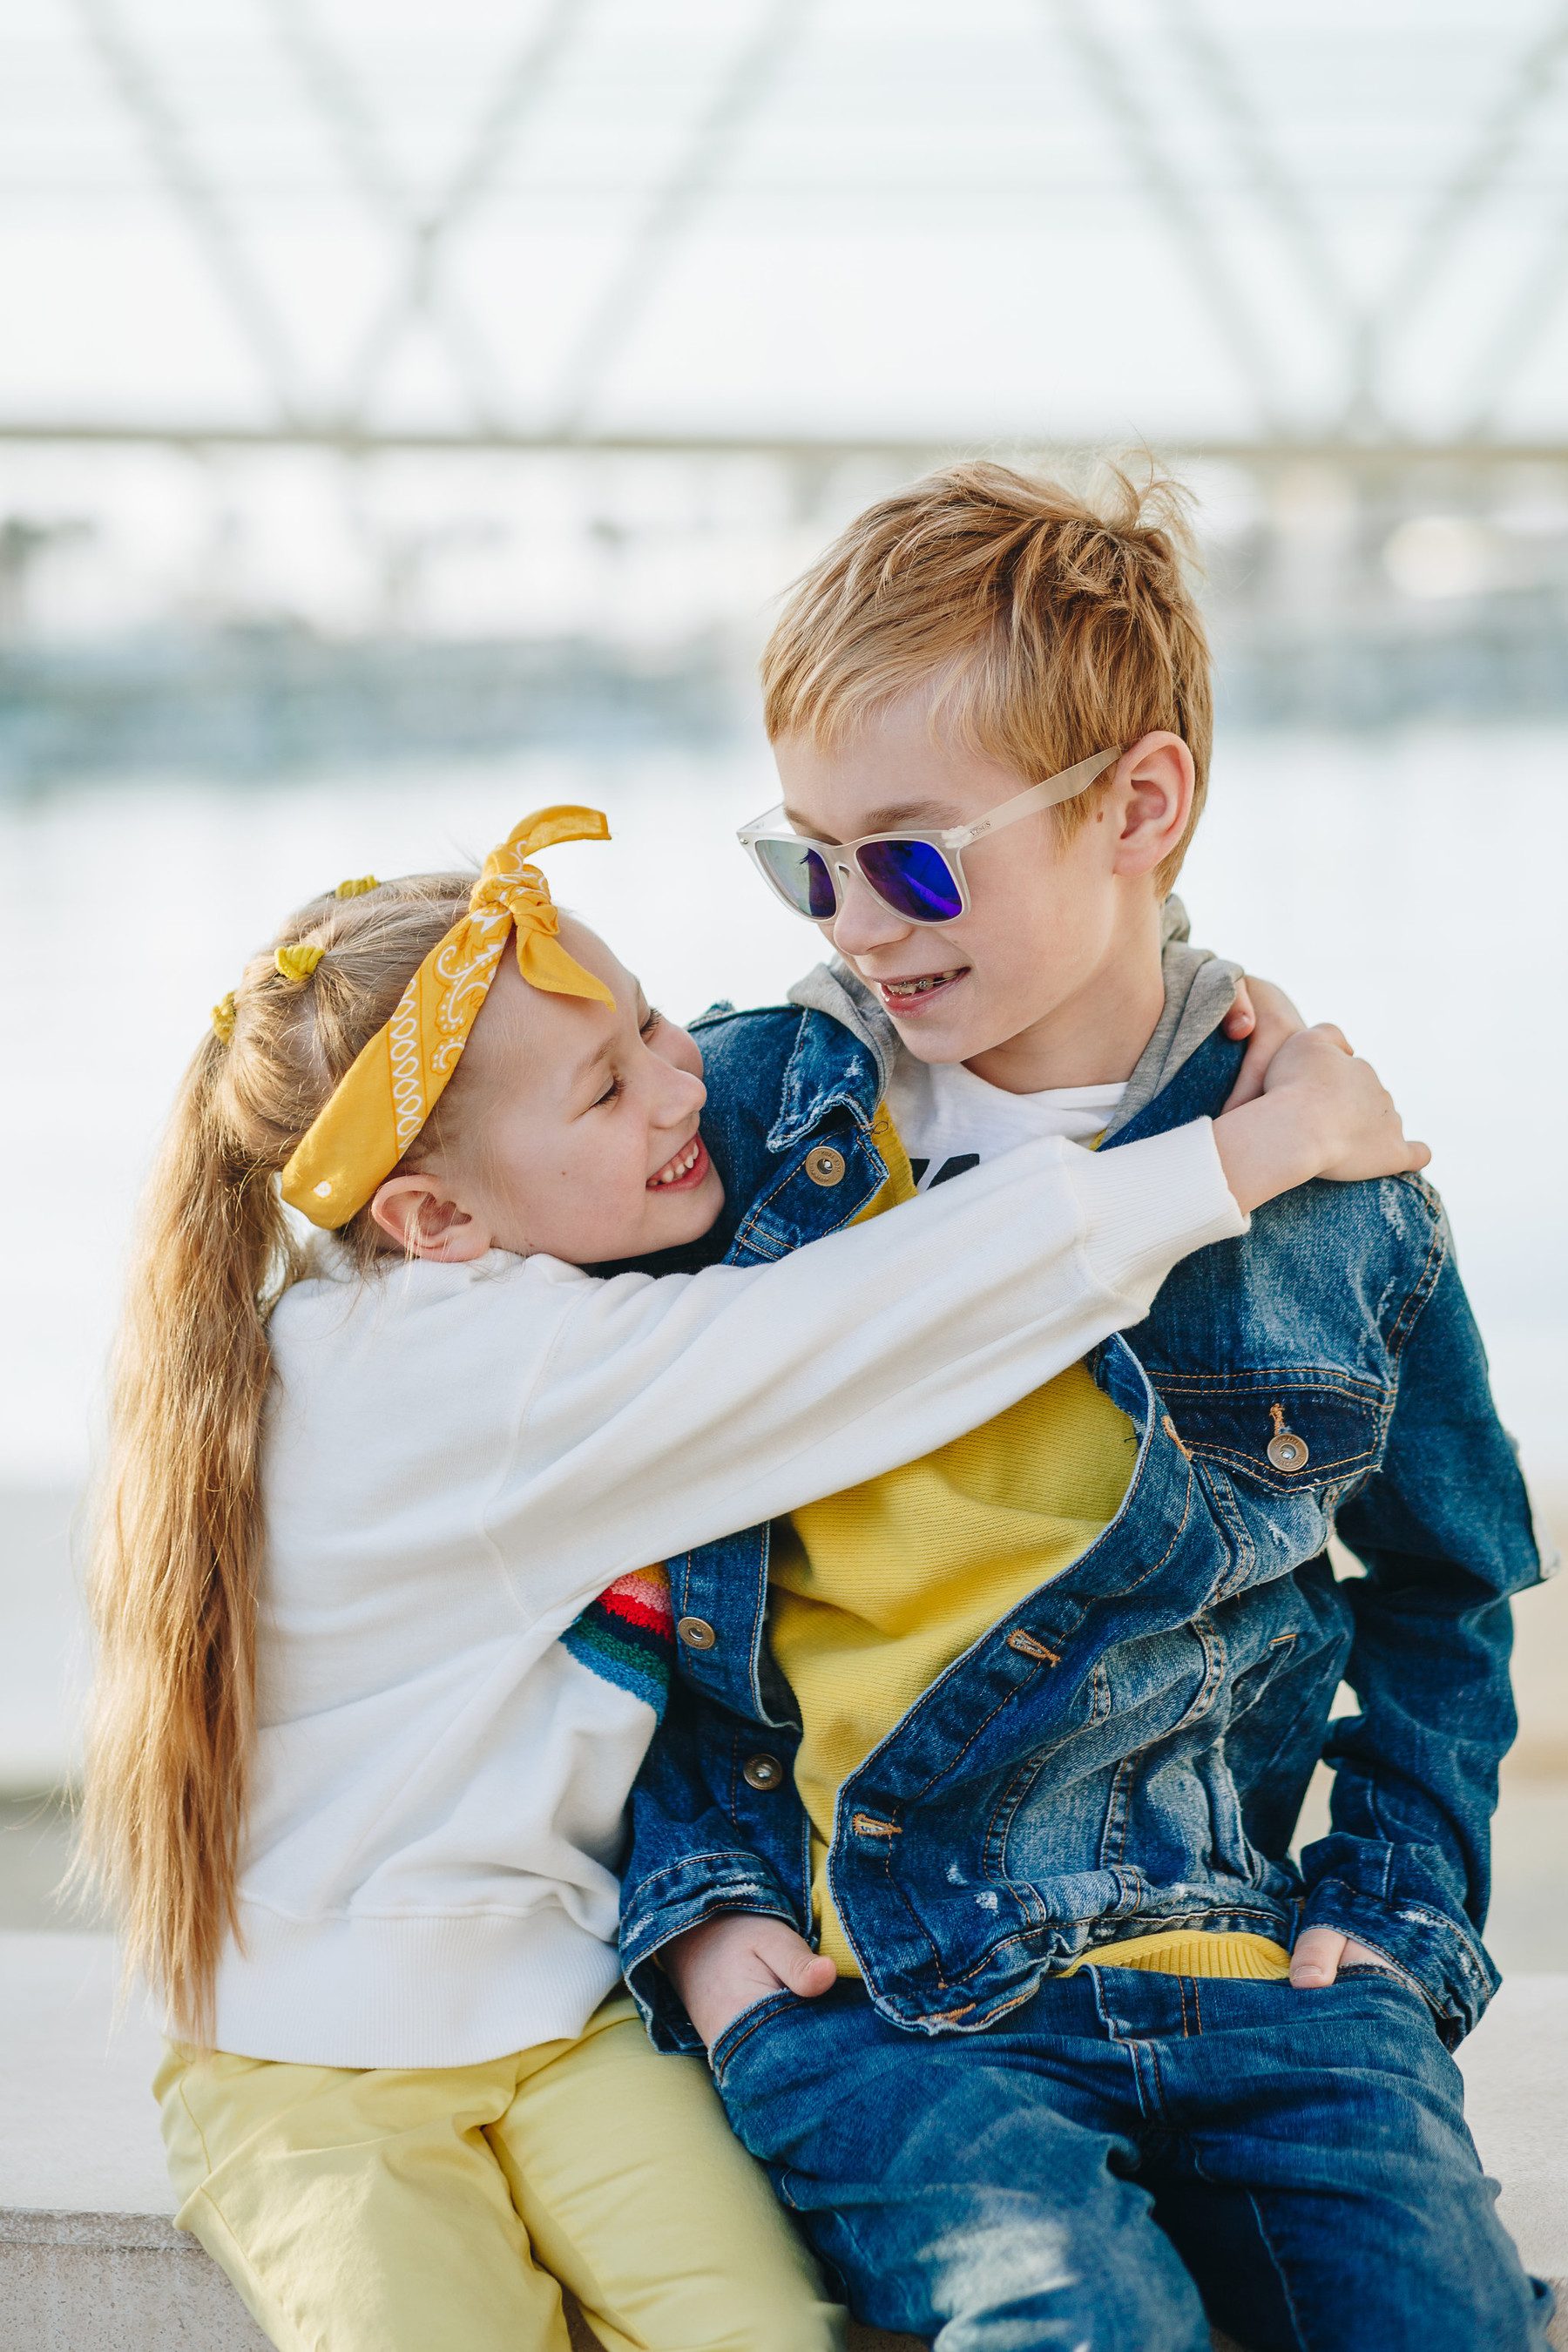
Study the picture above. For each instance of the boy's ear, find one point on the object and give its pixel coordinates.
(1155, 781)
(425, 1219)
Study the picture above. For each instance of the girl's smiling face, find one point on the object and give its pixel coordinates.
(569, 1129)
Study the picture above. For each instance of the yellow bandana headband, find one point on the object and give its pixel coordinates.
(386, 1098)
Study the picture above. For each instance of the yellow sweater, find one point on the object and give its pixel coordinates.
(877, 1589)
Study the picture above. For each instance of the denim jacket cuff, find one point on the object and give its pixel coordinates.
(1444, 1961)
(666, 1906)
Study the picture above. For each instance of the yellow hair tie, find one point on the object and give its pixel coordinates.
(299, 962)
(356, 889)
(222, 1018)
(384, 1100)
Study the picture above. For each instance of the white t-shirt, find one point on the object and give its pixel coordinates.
(949, 1120)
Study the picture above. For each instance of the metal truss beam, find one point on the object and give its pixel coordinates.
(332, 88)
(1509, 345)
(430, 234)
(625, 299)
(1267, 452)
(1455, 206)
(1174, 203)
(244, 295)
(1274, 193)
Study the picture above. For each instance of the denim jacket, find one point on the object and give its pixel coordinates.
(1128, 1750)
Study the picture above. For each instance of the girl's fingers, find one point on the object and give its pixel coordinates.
(1241, 1020)
(1268, 1018)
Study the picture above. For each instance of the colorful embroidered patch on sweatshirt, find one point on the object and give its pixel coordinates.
(627, 1635)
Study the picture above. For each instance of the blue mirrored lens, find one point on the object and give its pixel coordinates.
(913, 878)
(802, 876)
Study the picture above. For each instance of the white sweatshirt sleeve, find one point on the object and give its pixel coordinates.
(673, 1410)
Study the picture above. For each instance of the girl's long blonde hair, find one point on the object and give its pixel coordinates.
(178, 1539)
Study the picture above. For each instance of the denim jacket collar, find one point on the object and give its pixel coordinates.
(843, 1068)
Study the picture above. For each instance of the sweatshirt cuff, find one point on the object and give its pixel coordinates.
(1147, 1205)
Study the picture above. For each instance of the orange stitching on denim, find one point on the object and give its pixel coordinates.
(751, 2029)
(1422, 1289)
(1268, 1924)
(1175, 1539)
(1248, 1461)
(757, 1207)
(1298, 1378)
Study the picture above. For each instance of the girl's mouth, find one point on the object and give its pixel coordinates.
(905, 999)
(684, 1171)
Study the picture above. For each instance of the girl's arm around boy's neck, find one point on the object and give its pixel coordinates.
(1322, 1112)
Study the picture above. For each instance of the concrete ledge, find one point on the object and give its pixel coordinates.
(90, 2259)
(114, 2283)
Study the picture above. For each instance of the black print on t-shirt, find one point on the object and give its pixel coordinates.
(956, 1167)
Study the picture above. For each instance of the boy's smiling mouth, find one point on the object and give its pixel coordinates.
(913, 994)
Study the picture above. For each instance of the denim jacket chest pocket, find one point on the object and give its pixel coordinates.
(1300, 1436)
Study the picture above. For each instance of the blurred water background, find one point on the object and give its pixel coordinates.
(407, 418)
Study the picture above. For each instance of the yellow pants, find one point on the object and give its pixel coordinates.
(371, 2212)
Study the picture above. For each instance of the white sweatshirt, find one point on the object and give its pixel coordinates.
(459, 1460)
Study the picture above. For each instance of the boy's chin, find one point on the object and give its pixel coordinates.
(930, 1037)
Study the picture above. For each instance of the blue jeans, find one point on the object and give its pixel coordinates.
(1131, 2157)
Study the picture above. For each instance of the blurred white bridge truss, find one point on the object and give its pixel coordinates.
(808, 226)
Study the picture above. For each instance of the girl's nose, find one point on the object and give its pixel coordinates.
(862, 922)
(679, 1096)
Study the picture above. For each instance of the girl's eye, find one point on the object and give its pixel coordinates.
(654, 1017)
(612, 1093)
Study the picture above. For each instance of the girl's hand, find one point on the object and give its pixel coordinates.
(1321, 1113)
(1321, 1952)
(729, 1963)
(1265, 1016)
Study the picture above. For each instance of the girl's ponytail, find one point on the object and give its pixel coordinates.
(179, 1541)
(177, 1550)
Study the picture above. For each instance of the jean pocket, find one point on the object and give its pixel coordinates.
(1362, 1973)
(740, 2031)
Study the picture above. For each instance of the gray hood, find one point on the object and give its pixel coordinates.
(1200, 989)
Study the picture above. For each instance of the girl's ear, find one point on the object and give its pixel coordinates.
(427, 1220)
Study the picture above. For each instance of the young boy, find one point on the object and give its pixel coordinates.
(1016, 1736)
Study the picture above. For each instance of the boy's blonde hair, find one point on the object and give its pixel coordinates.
(1044, 623)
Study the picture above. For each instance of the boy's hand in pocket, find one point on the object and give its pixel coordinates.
(1321, 1952)
(733, 1961)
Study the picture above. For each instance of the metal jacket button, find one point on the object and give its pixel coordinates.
(1286, 1450)
(824, 1166)
(762, 1772)
(696, 1633)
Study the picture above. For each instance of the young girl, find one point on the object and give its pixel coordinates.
(380, 1649)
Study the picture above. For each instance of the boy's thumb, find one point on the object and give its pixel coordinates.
(798, 1969)
(814, 1974)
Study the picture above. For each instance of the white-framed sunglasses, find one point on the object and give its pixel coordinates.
(918, 876)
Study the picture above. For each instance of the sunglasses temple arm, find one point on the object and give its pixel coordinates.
(1066, 786)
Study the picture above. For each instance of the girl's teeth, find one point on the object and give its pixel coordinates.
(678, 1167)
